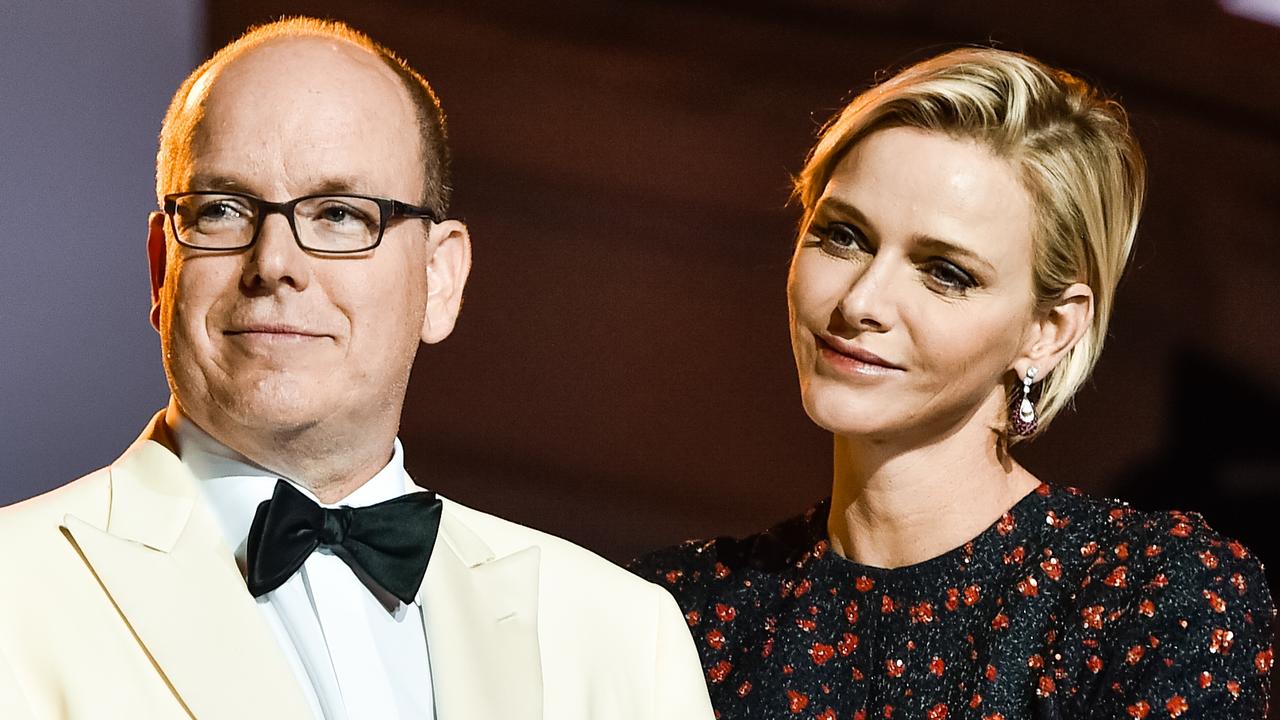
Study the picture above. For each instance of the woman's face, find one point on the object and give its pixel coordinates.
(910, 291)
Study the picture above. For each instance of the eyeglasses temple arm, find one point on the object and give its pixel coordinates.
(401, 209)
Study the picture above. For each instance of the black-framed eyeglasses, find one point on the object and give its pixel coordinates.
(335, 223)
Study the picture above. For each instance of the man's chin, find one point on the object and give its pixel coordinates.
(270, 410)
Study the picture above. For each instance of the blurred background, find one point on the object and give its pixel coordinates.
(621, 373)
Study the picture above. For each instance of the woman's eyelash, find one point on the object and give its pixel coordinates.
(838, 238)
(951, 275)
(841, 235)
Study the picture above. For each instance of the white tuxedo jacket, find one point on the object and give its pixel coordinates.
(120, 599)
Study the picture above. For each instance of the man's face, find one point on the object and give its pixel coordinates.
(273, 341)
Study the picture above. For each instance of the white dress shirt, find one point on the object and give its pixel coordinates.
(353, 657)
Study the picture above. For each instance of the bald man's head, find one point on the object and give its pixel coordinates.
(186, 111)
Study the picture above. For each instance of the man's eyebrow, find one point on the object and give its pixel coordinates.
(201, 183)
(229, 183)
(336, 185)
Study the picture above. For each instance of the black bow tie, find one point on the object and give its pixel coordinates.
(390, 542)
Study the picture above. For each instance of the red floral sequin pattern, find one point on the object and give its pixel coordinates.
(1068, 606)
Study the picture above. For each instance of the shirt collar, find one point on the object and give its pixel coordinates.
(234, 485)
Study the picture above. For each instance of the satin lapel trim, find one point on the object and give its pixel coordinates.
(482, 629)
(164, 565)
(152, 494)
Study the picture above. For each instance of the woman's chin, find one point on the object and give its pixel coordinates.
(851, 420)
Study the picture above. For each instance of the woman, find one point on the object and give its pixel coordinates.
(965, 225)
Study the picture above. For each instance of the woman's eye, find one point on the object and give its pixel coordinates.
(842, 239)
(950, 276)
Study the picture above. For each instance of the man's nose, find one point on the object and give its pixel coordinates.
(276, 260)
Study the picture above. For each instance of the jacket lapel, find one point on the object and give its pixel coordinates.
(481, 617)
(165, 566)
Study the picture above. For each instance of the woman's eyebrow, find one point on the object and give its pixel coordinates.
(845, 208)
(947, 247)
(921, 240)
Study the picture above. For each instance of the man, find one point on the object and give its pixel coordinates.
(260, 552)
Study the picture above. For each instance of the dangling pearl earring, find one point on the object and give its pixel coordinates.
(1023, 419)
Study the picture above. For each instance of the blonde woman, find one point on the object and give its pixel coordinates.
(964, 227)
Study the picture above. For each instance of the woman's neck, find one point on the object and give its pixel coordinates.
(892, 507)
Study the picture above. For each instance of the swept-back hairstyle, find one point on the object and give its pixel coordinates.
(181, 122)
(1071, 147)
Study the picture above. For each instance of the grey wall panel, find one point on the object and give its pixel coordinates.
(83, 87)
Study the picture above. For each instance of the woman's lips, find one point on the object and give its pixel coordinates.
(851, 359)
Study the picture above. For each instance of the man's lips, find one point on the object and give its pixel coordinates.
(846, 349)
(268, 331)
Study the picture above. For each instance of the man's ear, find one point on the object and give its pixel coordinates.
(156, 259)
(447, 271)
(1056, 330)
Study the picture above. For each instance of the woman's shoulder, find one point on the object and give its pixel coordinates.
(1123, 549)
(1114, 533)
(696, 569)
(1169, 610)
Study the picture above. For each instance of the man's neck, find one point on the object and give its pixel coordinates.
(328, 467)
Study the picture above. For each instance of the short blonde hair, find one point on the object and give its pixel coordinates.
(1074, 152)
(181, 123)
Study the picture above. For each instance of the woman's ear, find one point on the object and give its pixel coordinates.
(1056, 330)
(447, 271)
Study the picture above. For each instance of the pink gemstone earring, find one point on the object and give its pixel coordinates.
(1022, 417)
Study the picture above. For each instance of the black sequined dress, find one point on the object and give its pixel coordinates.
(1068, 607)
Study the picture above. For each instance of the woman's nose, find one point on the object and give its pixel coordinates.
(868, 303)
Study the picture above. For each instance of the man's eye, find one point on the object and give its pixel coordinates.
(335, 213)
(216, 215)
(219, 210)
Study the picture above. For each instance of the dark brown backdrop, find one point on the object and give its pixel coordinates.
(621, 373)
